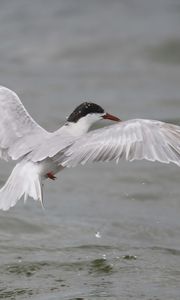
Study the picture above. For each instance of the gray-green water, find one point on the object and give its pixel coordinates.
(108, 232)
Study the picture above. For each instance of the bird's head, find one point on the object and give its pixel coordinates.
(86, 114)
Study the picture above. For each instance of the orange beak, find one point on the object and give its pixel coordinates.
(111, 117)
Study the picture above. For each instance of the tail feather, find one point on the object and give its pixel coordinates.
(23, 181)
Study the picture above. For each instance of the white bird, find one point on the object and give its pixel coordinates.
(42, 154)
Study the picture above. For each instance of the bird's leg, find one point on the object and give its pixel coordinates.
(51, 175)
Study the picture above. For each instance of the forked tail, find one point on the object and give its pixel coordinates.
(23, 181)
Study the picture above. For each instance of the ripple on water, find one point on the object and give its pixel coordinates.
(13, 294)
(100, 266)
(27, 269)
(167, 250)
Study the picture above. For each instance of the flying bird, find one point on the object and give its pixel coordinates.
(41, 154)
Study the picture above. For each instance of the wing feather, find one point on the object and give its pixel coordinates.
(132, 140)
(19, 133)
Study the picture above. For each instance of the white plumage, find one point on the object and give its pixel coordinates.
(132, 140)
(41, 154)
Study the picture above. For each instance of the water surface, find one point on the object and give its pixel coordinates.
(108, 232)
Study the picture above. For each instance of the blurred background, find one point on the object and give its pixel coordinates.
(108, 232)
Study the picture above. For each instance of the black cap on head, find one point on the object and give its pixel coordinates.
(83, 109)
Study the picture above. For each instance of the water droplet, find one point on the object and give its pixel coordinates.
(98, 235)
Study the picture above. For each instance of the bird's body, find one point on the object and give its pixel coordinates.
(42, 154)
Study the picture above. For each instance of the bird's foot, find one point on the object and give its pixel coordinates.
(51, 175)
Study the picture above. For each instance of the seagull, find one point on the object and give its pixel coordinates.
(41, 154)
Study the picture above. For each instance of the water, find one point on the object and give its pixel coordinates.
(108, 232)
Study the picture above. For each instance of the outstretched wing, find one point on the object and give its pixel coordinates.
(133, 140)
(18, 131)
